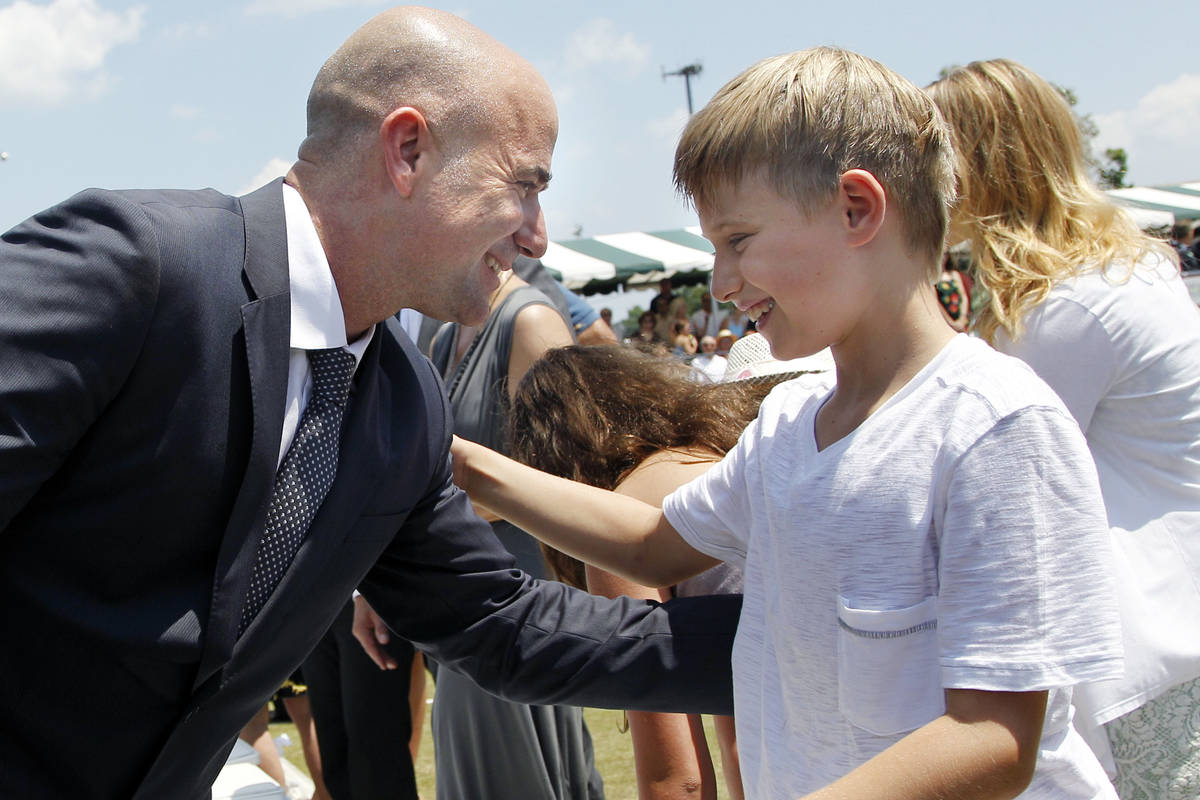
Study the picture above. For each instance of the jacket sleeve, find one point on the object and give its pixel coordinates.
(449, 586)
(78, 284)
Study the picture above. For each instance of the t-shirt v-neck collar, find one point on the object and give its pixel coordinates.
(834, 448)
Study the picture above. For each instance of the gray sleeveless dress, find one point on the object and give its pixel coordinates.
(486, 748)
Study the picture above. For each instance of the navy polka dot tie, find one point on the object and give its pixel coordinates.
(304, 476)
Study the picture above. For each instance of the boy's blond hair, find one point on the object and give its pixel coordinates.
(1025, 197)
(807, 117)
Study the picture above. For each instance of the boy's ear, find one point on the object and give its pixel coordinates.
(864, 205)
(406, 141)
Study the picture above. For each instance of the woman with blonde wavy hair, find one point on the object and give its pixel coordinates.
(1098, 310)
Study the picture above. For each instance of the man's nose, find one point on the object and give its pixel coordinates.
(531, 238)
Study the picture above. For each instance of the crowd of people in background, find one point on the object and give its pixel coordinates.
(1185, 238)
(685, 321)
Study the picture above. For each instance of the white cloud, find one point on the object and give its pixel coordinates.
(273, 169)
(299, 8)
(598, 42)
(49, 53)
(1113, 130)
(182, 111)
(669, 127)
(185, 31)
(564, 93)
(1159, 133)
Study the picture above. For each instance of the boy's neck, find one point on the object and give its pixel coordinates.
(894, 341)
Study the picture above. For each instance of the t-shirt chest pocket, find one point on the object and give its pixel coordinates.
(889, 680)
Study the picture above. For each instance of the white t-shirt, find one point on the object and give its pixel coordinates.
(1125, 358)
(956, 539)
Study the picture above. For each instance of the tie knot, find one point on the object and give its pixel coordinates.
(331, 373)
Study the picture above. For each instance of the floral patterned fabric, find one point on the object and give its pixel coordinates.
(1157, 747)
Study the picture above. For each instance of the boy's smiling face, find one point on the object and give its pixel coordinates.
(787, 269)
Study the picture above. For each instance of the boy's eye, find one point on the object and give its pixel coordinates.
(736, 240)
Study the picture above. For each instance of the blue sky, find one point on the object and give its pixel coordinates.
(156, 94)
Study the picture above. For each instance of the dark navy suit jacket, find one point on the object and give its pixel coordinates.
(144, 341)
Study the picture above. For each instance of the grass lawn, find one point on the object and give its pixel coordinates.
(614, 754)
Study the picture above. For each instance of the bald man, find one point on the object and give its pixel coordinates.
(179, 523)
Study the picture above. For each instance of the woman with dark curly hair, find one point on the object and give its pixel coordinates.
(623, 419)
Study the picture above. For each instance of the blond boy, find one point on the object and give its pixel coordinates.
(927, 568)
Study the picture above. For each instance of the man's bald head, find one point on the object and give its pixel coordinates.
(428, 144)
(430, 60)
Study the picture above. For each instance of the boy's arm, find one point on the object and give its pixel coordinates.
(621, 534)
(985, 746)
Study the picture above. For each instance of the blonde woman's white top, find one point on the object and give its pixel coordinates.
(1123, 352)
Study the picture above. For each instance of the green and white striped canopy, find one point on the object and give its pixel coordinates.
(1180, 200)
(601, 263)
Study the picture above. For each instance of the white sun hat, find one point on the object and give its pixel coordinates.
(750, 357)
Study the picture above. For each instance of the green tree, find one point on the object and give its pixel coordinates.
(1087, 125)
(1114, 168)
(1109, 170)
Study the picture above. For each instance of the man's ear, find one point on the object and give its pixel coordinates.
(406, 142)
(864, 205)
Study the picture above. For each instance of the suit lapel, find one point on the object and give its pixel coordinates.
(266, 324)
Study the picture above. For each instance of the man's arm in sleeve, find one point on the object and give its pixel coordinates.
(77, 289)
(448, 585)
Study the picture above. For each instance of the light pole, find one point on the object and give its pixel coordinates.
(687, 73)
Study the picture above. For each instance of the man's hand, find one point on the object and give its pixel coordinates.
(371, 632)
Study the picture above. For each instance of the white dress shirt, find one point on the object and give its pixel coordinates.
(317, 319)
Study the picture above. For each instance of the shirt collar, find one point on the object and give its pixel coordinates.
(317, 319)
